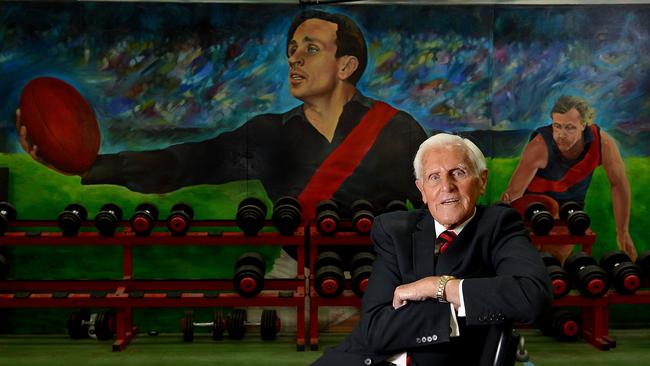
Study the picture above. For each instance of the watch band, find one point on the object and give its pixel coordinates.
(442, 283)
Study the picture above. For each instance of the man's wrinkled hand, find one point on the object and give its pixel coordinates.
(419, 290)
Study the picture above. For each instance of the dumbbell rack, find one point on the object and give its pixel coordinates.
(560, 235)
(127, 293)
(595, 317)
(348, 297)
(595, 312)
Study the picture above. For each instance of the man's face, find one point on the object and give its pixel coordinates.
(449, 185)
(313, 65)
(567, 130)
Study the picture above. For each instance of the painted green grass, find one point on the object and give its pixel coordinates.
(40, 193)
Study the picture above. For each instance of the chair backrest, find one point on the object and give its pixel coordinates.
(500, 348)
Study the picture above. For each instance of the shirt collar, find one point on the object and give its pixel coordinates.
(440, 228)
(300, 113)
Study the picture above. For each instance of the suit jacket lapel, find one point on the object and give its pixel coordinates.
(423, 245)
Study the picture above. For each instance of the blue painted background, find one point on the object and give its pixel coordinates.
(163, 73)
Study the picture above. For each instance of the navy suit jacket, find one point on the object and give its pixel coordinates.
(504, 280)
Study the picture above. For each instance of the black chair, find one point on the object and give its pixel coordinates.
(502, 346)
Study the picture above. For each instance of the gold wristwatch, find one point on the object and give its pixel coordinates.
(442, 283)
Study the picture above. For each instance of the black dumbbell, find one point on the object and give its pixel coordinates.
(70, 219)
(329, 279)
(269, 324)
(217, 325)
(100, 325)
(187, 326)
(577, 221)
(362, 216)
(78, 322)
(251, 213)
(7, 213)
(396, 205)
(4, 267)
(144, 219)
(559, 276)
(541, 220)
(361, 268)
(235, 324)
(643, 261)
(327, 217)
(590, 280)
(108, 218)
(104, 325)
(180, 219)
(626, 276)
(286, 215)
(564, 325)
(248, 280)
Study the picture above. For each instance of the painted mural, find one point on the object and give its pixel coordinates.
(211, 103)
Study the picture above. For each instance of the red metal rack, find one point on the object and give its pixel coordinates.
(119, 294)
(595, 314)
(560, 235)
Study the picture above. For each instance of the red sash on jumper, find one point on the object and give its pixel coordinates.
(575, 174)
(342, 162)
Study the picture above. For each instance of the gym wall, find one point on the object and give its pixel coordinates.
(158, 74)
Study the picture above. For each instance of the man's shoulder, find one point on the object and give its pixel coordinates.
(493, 215)
(401, 221)
(400, 116)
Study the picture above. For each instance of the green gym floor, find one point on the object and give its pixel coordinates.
(633, 349)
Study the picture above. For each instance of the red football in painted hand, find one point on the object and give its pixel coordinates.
(61, 123)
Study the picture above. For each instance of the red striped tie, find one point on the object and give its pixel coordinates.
(444, 240)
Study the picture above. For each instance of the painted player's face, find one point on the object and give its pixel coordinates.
(567, 130)
(313, 65)
(449, 185)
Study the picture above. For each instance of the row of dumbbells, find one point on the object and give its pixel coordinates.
(235, 324)
(109, 216)
(362, 214)
(542, 221)
(593, 280)
(330, 268)
(250, 217)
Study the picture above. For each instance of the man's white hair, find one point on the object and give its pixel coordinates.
(444, 139)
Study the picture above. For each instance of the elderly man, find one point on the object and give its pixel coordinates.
(446, 274)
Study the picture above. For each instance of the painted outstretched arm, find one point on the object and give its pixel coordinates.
(217, 160)
(533, 157)
(620, 190)
(213, 161)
